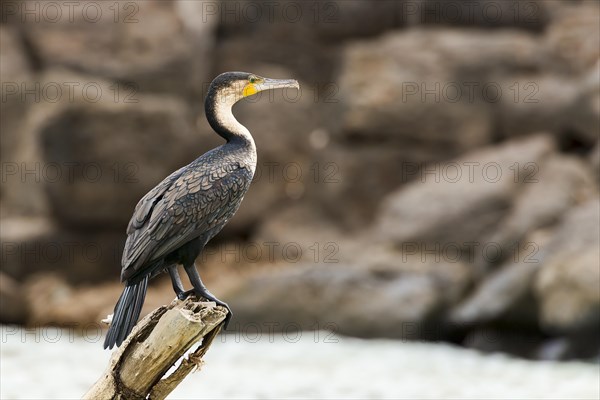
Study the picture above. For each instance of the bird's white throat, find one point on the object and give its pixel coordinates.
(225, 117)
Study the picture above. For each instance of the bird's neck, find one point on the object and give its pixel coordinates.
(220, 117)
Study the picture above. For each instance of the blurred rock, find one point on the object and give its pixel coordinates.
(302, 36)
(298, 224)
(342, 19)
(572, 41)
(458, 203)
(98, 157)
(347, 182)
(505, 296)
(319, 67)
(31, 245)
(567, 105)
(412, 88)
(325, 20)
(13, 306)
(562, 182)
(533, 102)
(567, 286)
(53, 301)
(16, 75)
(498, 293)
(276, 33)
(549, 190)
(154, 45)
(14, 63)
(16, 232)
(391, 297)
(300, 234)
(583, 115)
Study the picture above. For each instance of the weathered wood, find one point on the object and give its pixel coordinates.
(137, 368)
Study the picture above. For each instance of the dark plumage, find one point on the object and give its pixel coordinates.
(173, 222)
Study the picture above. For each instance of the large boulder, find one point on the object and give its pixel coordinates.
(534, 102)
(52, 300)
(459, 203)
(304, 22)
(302, 36)
(429, 89)
(342, 20)
(154, 45)
(567, 285)
(347, 182)
(31, 245)
(564, 104)
(507, 289)
(16, 148)
(388, 296)
(550, 189)
(505, 296)
(301, 233)
(572, 40)
(525, 236)
(95, 157)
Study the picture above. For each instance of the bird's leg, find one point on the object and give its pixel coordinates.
(176, 281)
(201, 290)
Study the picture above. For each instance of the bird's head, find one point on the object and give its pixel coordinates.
(230, 87)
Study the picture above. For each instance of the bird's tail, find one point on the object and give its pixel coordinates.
(127, 312)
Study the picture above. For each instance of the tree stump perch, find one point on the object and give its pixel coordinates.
(138, 367)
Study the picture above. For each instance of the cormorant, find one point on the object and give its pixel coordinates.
(173, 222)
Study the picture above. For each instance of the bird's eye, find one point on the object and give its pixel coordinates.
(252, 80)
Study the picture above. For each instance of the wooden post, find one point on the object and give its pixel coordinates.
(137, 368)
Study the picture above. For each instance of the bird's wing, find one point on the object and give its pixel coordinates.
(144, 207)
(194, 203)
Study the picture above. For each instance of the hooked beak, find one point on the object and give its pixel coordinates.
(269, 84)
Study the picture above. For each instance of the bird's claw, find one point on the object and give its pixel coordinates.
(187, 293)
(228, 316)
(184, 295)
(229, 312)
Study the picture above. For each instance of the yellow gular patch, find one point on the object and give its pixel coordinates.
(249, 90)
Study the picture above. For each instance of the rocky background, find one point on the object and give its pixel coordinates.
(436, 178)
